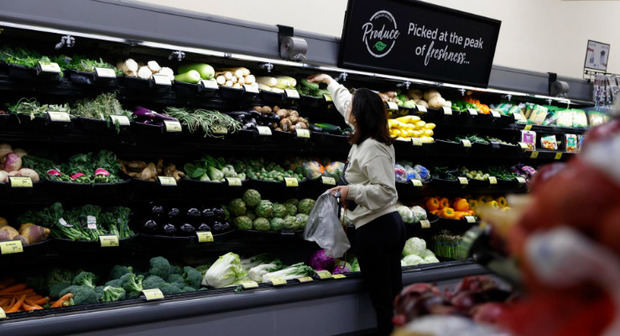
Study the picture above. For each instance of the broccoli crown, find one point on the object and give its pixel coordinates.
(168, 288)
(111, 294)
(188, 289)
(152, 281)
(176, 279)
(58, 275)
(131, 282)
(84, 279)
(81, 294)
(56, 288)
(118, 271)
(192, 277)
(160, 267)
(176, 269)
(114, 283)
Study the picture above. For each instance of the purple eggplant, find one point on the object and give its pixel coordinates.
(204, 227)
(150, 225)
(187, 228)
(143, 112)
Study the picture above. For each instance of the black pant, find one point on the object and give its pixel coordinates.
(379, 246)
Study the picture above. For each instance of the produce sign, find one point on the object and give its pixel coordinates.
(418, 39)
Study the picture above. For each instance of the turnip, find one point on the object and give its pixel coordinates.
(27, 172)
(33, 233)
(12, 162)
(5, 149)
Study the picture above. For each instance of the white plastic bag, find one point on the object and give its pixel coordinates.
(324, 227)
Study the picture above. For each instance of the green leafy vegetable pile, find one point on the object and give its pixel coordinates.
(101, 167)
(211, 123)
(87, 222)
(211, 169)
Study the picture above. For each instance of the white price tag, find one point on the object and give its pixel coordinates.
(416, 183)
(558, 156)
(234, 181)
(470, 219)
(49, 67)
(162, 80)
(105, 73)
(220, 130)
(327, 97)
(120, 120)
(20, 182)
(172, 126)
(324, 275)
(292, 93)
(264, 130)
(153, 294)
(328, 180)
(291, 182)
(534, 155)
(421, 108)
(392, 106)
(302, 133)
(416, 141)
(495, 114)
(466, 143)
(249, 284)
(277, 281)
(492, 180)
(108, 240)
(305, 279)
(204, 236)
(447, 110)
(250, 88)
(91, 222)
(463, 180)
(472, 112)
(209, 84)
(167, 181)
(59, 116)
(2, 314)
(425, 224)
(520, 179)
(11, 246)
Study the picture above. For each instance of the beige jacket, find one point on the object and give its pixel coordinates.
(370, 172)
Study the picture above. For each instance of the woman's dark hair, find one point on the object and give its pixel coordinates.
(370, 118)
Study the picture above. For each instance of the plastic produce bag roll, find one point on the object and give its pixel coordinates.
(324, 227)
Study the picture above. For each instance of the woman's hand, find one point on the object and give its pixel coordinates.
(320, 78)
(343, 190)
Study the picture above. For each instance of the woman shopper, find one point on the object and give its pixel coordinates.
(369, 196)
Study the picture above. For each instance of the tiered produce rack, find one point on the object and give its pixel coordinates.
(188, 311)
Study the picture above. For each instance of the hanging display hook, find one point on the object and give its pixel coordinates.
(406, 84)
(342, 77)
(178, 54)
(267, 66)
(65, 41)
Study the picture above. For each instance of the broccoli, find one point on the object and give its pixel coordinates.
(114, 283)
(99, 292)
(84, 279)
(132, 295)
(55, 289)
(160, 267)
(132, 283)
(152, 281)
(176, 270)
(111, 294)
(118, 271)
(192, 277)
(168, 288)
(176, 279)
(81, 294)
(188, 289)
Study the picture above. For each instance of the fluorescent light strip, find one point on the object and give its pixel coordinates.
(244, 57)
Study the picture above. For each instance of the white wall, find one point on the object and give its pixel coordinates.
(538, 35)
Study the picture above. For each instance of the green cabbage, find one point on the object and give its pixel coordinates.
(414, 246)
(264, 209)
(225, 271)
(261, 224)
(237, 207)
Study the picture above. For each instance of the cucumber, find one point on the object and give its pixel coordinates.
(191, 76)
(310, 86)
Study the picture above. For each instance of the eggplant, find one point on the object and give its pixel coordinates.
(208, 214)
(169, 229)
(204, 227)
(150, 225)
(219, 213)
(157, 211)
(187, 228)
(173, 213)
(193, 213)
(225, 226)
(218, 227)
(143, 112)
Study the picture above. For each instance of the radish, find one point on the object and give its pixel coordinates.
(12, 162)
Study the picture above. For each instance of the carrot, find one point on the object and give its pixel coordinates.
(58, 303)
(28, 291)
(13, 288)
(28, 307)
(37, 301)
(15, 308)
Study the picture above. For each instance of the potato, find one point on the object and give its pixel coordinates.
(421, 102)
(293, 119)
(428, 95)
(436, 102)
(294, 113)
(267, 109)
(282, 114)
(285, 124)
(276, 108)
(8, 232)
(415, 94)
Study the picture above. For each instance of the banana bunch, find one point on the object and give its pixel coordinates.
(409, 127)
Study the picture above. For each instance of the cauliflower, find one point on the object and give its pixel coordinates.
(414, 246)
(411, 260)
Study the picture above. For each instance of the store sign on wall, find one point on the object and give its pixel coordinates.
(418, 39)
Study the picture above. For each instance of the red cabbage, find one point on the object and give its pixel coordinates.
(320, 261)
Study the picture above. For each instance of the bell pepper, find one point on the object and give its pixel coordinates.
(444, 202)
(493, 204)
(448, 213)
(502, 201)
(460, 214)
(432, 204)
(472, 203)
(460, 204)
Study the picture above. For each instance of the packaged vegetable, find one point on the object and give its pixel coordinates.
(549, 142)
(529, 138)
(312, 170)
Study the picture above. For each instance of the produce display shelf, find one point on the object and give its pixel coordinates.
(83, 319)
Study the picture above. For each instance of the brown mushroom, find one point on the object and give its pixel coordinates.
(294, 113)
(285, 124)
(293, 119)
(276, 108)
